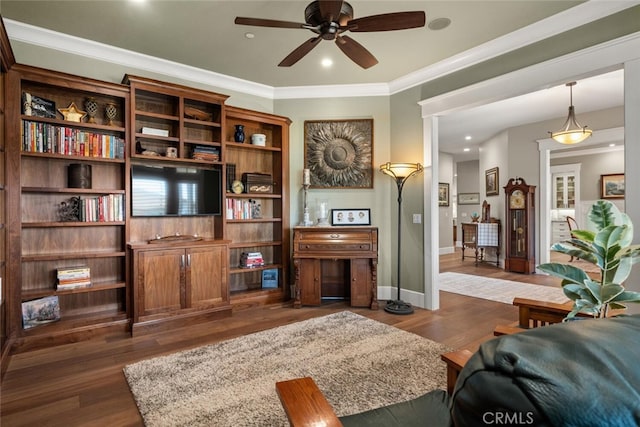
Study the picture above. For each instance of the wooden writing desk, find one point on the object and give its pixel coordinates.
(338, 262)
(481, 235)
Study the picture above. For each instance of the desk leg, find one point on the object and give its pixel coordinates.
(296, 291)
(374, 284)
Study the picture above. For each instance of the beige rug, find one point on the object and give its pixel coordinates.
(359, 364)
(497, 289)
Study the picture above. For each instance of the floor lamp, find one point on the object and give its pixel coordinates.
(400, 172)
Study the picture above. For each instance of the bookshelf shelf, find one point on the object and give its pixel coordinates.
(72, 190)
(72, 255)
(29, 295)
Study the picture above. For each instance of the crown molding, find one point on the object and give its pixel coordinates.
(553, 25)
(579, 15)
(54, 40)
(583, 63)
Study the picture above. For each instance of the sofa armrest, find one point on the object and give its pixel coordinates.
(455, 361)
(305, 404)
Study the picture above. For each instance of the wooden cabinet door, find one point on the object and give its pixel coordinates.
(310, 282)
(207, 276)
(161, 277)
(360, 282)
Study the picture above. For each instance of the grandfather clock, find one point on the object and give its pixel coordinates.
(520, 226)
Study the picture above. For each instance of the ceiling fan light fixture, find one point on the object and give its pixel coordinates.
(572, 132)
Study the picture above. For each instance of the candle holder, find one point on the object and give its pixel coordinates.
(306, 220)
(322, 213)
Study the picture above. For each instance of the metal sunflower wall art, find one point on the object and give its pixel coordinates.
(338, 153)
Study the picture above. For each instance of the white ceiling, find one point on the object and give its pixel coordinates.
(202, 34)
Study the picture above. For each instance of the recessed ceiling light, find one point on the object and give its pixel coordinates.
(467, 138)
(612, 145)
(439, 24)
(249, 35)
(466, 149)
(327, 62)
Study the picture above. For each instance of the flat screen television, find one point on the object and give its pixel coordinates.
(175, 191)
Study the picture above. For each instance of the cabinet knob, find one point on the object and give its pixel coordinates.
(334, 236)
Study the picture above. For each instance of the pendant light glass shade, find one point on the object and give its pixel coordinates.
(571, 132)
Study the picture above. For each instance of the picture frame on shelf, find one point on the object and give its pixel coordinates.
(350, 216)
(468, 198)
(612, 186)
(491, 182)
(339, 153)
(443, 194)
(40, 311)
(270, 278)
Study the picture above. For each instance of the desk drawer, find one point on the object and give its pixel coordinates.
(334, 236)
(303, 247)
(325, 241)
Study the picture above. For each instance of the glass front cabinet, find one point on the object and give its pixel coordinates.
(564, 190)
(520, 226)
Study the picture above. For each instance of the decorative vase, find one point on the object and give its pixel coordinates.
(91, 106)
(238, 136)
(110, 112)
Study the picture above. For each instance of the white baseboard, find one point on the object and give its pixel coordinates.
(447, 250)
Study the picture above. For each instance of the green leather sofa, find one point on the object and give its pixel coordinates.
(577, 373)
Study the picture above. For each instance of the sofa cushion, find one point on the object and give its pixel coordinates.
(429, 409)
(577, 373)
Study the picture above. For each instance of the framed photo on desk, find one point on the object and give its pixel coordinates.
(350, 216)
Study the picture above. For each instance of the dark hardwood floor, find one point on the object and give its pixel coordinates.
(82, 384)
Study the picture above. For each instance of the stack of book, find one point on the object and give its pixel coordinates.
(206, 153)
(73, 277)
(251, 260)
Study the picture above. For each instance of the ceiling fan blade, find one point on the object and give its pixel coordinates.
(330, 10)
(388, 22)
(257, 22)
(356, 52)
(300, 51)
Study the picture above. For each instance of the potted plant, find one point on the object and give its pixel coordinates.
(610, 249)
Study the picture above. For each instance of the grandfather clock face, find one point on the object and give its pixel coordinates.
(516, 201)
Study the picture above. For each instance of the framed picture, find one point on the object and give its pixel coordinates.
(468, 198)
(339, 153)
(612, 186)
(350, 217)
(443, 194)
(492, 181)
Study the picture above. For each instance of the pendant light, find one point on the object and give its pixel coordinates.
(571, 132)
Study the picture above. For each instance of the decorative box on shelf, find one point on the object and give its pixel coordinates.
(257, 182)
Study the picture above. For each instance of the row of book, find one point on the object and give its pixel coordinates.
(206, 153)
(73, 277)
(105, 208)
(47, 138)
(243, 209)
(251, 259)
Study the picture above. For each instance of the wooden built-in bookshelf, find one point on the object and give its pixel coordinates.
(41, 149)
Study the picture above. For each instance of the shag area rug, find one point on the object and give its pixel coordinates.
(358, 363)
(497, 289)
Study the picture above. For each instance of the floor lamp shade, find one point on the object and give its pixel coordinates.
(400, 172)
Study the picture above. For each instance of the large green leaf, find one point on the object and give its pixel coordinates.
(565, 272)
(623, 271)
(604, 293)
(627, 296)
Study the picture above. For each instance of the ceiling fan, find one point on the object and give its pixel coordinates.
(330, 19)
